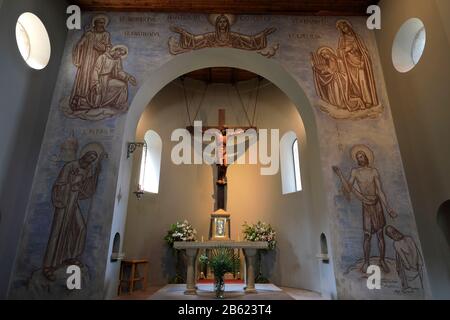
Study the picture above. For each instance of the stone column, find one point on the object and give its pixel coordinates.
(250, 255)
(191, 289)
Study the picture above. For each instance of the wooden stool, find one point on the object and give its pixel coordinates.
(134, 275)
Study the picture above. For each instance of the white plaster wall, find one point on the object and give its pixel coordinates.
(420, 106)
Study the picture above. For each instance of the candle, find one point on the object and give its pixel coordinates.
(239, 237)
(202, 238)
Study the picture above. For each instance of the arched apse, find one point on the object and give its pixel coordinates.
(222, 57)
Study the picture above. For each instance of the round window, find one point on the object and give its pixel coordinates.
(409, 45)
(33, 41)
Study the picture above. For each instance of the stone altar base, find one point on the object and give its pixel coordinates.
(232, 292)
(192, 249)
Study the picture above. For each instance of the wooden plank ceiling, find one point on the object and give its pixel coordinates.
(221, 75)
(291, 7)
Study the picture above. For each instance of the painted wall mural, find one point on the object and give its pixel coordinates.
(100, 89)
(222, 37)
(74, 192)
(77, 181)
(365, 185)
(344, 77)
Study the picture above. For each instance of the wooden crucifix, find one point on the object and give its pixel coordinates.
(222, 166)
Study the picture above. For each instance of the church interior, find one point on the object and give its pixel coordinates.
(208, 150)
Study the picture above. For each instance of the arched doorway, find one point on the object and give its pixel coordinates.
(223, 57)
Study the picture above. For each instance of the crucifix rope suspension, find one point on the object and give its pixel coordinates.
(252, 122)
(187, 101)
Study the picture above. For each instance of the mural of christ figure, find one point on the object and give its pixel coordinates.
(370, 192)
(221, 37)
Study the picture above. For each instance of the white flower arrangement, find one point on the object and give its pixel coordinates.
(180, 231)
(260, 232)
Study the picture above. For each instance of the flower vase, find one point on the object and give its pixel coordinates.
(219, 287)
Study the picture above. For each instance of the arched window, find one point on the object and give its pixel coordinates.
(290, 163)
(295, 155)
(151, 162)
(409, 45)
(116, 248)
(33, 41)
(418, 45)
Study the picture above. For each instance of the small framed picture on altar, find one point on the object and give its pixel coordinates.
(220, 227)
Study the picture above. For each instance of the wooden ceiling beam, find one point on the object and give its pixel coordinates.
(281, 7)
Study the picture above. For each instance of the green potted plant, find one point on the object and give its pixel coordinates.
(260, 231)
(221, 261)
(180, 231)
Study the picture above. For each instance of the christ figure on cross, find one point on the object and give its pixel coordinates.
(224, 132)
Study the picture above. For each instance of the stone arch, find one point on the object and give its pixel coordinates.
(270, 69)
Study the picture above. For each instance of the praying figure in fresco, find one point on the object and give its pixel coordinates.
(331, 80)
(344, 78)
(76, 181)
(408, 260)
(109, 82)
(370, 192)
(221, 37)
(357, 62)
(95, 42)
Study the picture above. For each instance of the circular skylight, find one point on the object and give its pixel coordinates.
(409, 45)
(33, 41)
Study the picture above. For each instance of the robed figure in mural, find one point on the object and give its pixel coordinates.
(221, 37)
(408, 260)
(331, 80)
(370, 192)
(95, 42)
(76, 181)
(109, 82)
(357, 62)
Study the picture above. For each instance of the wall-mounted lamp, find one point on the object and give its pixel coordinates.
(132, 146)
(139, 192)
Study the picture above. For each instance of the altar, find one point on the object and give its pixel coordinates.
(192, 249)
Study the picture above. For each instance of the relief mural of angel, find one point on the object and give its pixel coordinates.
(100, 89)
(77, 181)
(344, 78)
(222, 37)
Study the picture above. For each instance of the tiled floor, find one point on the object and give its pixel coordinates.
(232, 292)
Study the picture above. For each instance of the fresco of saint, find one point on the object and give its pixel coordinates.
(76, 181)
(95, 42)
(344, 79)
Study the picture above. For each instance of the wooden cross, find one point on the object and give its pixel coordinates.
(221, 181)
(221, 126)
